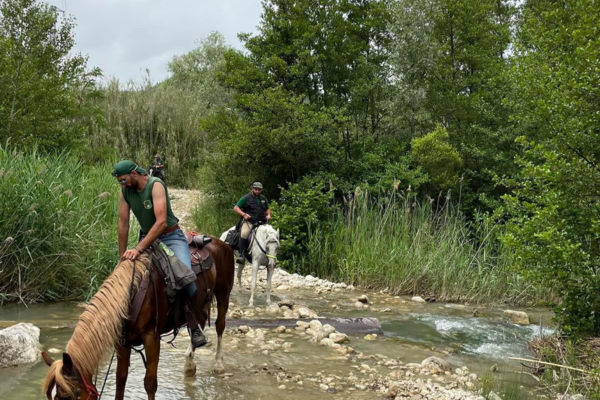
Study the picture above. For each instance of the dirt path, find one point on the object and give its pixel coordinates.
(183, 202)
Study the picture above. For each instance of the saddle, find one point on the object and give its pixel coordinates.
(201, 262)
(201, 259)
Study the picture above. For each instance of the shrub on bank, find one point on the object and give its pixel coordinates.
(58, 226)
(429, 249)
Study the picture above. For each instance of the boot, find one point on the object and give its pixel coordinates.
(242, 251)
(196, 334)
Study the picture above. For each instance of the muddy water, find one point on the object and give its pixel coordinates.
(413, 332)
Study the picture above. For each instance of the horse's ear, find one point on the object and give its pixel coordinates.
(68, 367)
(47, 359)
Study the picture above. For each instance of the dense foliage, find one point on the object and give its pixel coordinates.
(44, 88)
(58, 227)
(555, 225)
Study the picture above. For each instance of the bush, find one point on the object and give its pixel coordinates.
(302, 205)
(438, 158)
(58, 230)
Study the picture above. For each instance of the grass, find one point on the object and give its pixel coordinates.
(506, 390)
(414, 248)
(214, 215)
(58, 227)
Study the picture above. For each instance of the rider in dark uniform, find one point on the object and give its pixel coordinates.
(253, 208)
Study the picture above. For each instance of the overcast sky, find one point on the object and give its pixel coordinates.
(123, 37)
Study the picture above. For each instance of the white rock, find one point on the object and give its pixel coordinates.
(302, 324)
(272, 309)
(436, 365)
(19, 344)
(243, 328)
(339, 337)
(517, 317)
(327, 342)
(324, 387)
(327, 330)
(418, 299)
(304, 312)
(280, 329)
(315, 324)
(363, 299)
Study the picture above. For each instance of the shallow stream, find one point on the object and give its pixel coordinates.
(412, 332)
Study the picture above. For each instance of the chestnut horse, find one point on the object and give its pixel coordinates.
(101, 325)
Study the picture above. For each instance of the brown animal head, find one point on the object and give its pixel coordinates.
(63, 380)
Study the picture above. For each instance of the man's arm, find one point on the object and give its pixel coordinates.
(159, 200)
(237, 208)
(123, 224)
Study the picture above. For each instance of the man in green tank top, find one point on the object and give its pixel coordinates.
(148, 199)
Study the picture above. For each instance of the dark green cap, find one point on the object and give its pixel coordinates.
(125, 167)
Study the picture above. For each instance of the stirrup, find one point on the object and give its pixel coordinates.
(203, 339)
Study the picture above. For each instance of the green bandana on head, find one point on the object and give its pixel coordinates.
(125, 167)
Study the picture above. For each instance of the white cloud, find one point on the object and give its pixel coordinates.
(124, 37)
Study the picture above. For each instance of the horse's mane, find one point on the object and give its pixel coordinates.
(100, 325)
(268, 231)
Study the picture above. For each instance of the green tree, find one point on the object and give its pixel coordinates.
(450, 68)
(308, 93)
(555, 225)
(438, 158)
(414, 53)
(44, 90)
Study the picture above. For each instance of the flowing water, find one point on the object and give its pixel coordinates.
(412, 332)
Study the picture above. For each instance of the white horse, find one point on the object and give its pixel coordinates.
(263, 250)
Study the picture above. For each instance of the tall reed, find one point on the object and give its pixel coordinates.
(142, 118)
(398, 243)
(58, 226)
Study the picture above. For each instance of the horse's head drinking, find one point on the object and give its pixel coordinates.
(64, 382)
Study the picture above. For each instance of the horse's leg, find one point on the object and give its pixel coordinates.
(222, 306)
(240, 269)
(269, 276)
(189, 369)
(123, 356)
(152, 345)
(254, 276)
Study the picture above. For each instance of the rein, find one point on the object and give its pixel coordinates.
(91, 389)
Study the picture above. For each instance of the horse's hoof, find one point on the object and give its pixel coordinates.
(190, 371)
(219, 369)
